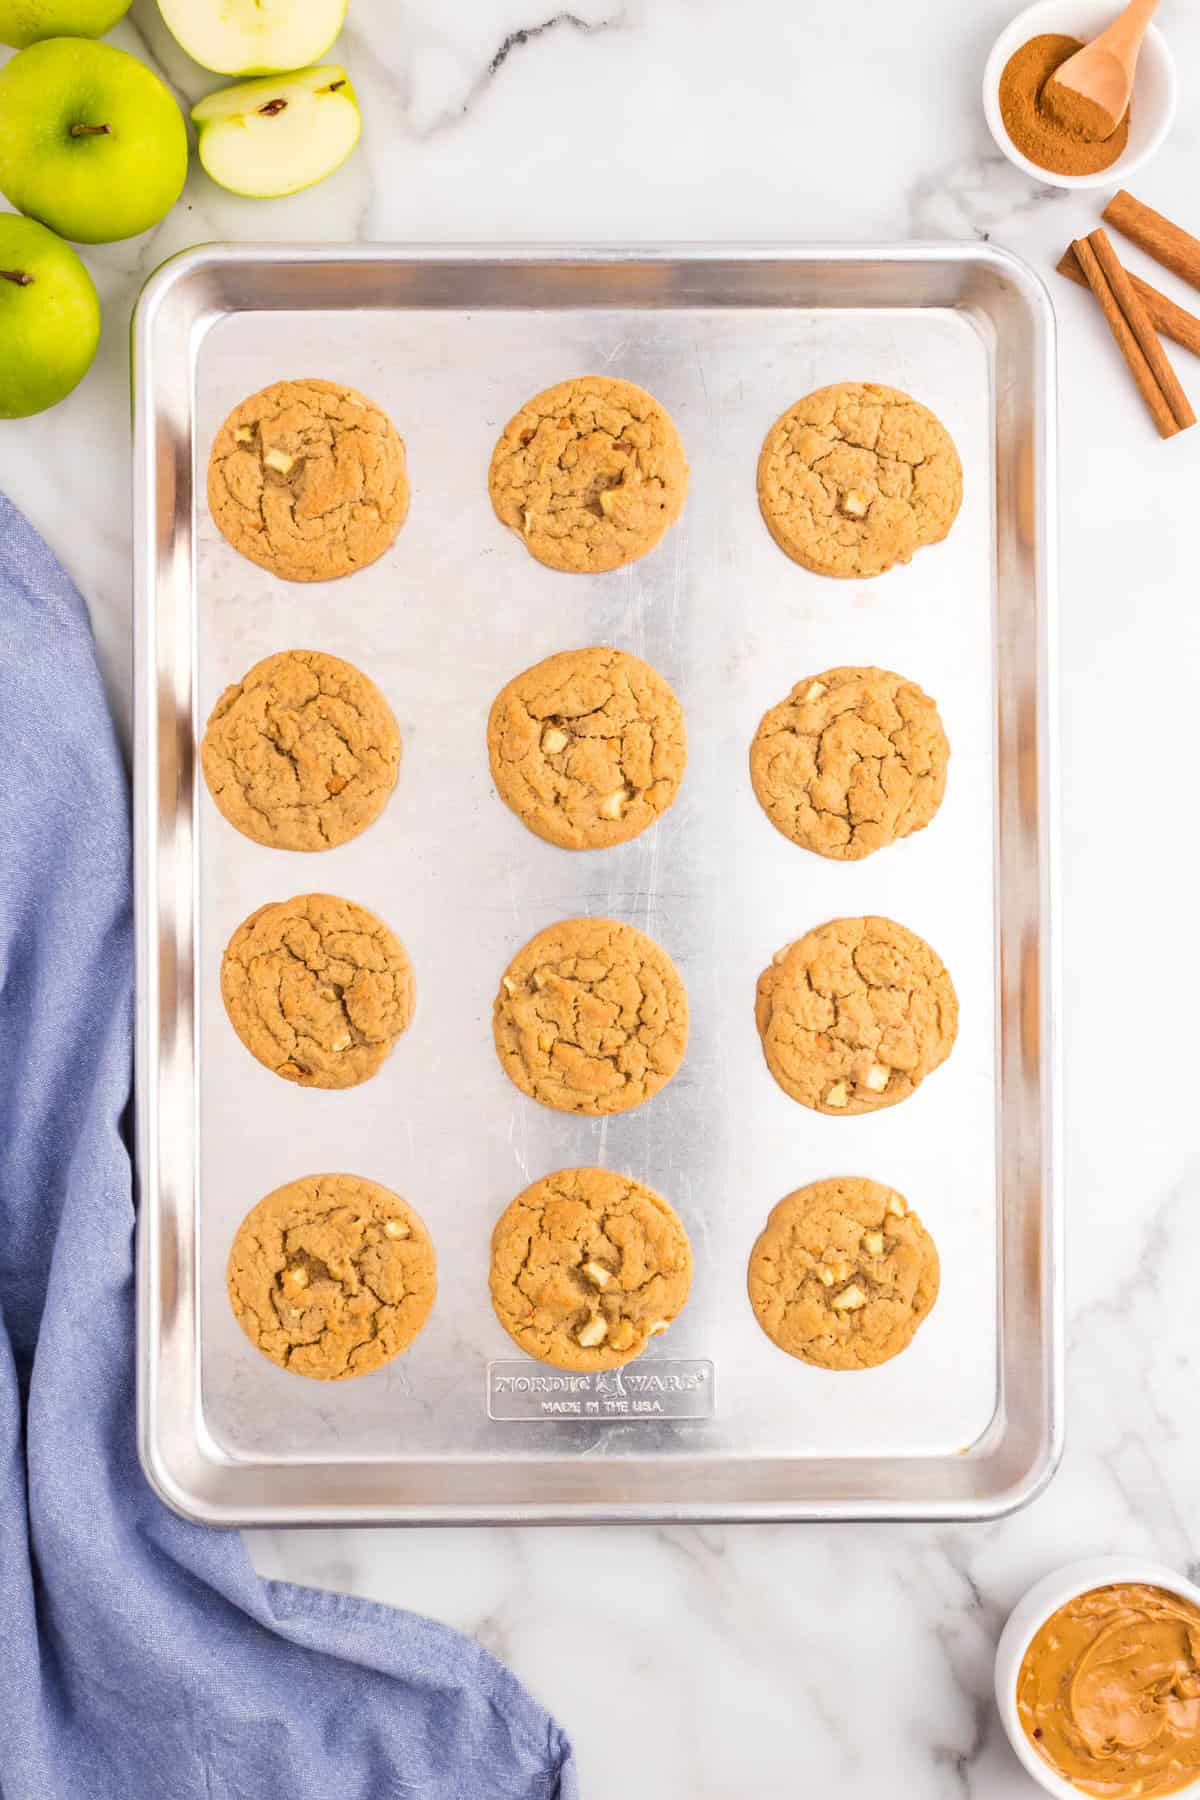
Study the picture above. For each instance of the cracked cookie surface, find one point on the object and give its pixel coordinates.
(843, 1274)
(588, 747)
(591, 1017)
(331, 1276)
(307, 478)
(318, 989)
(587, 1267)
(589, 474)
(852, 760)
(856, 477)
(854, 1015)
(302, 753)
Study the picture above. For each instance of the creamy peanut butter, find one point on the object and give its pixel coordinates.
(1109, 1692)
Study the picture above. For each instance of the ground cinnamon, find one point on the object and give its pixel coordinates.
(1053, 137)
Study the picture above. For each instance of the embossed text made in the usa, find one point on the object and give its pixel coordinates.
(676, 1389)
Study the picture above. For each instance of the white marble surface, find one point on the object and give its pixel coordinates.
(773, 1662)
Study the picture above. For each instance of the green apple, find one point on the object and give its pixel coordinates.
(26, 21)
(254, 37)
(91, 141)
(280, 134)
(49, 318)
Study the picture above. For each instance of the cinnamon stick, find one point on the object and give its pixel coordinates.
(1168, 244)
(1128, 345)
(1138, 321)
(1173, 321)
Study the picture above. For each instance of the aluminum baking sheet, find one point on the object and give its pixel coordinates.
(713, 1422)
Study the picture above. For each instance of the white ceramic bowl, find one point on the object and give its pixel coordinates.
(1027, 1619)
(1154, 87)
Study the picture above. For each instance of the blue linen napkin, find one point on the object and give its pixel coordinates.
(141, 1658)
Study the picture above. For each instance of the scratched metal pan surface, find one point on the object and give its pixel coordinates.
(713, 1422)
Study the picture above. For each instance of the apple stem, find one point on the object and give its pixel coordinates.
(18, 277)
(90, 130)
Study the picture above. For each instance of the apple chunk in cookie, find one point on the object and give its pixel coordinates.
(274, 136)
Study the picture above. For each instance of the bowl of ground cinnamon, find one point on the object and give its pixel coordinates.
(1037, 132)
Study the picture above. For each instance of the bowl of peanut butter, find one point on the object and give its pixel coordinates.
(1098, 1681)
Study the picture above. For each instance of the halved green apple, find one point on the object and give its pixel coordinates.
(253, 37)
(277, 135)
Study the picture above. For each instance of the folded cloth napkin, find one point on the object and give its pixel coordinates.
(141, 1658)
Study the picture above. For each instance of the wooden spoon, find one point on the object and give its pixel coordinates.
(1089, 93)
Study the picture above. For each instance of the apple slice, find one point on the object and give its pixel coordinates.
(277, 135)
(253, 37)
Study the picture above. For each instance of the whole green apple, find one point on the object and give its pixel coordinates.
(28, 21)
(91, 141)
(49, 318)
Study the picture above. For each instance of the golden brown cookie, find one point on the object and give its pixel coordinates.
(587, 1267)
(591, 1017)
(331, 1276)
(852, 760)
(856, 477)
(302, 753)
(590, 474)
(587, 747)
(318, 989)
(307, 479)
(843, 1274)
(854, 1015)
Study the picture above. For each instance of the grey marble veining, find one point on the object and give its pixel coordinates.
(721, 1663)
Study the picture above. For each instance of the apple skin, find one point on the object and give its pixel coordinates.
(49, 319)
(274, 136)
(24, 22)
(235, 37)
(59, 164)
